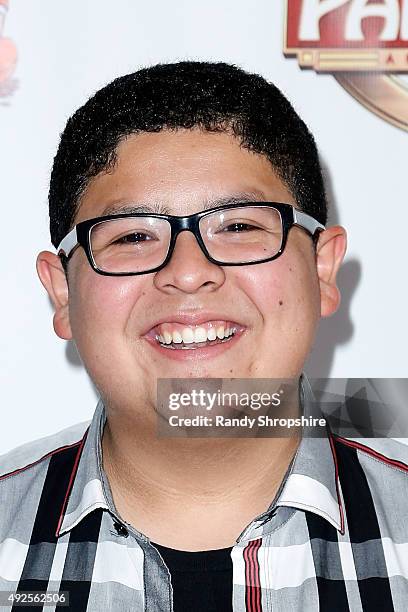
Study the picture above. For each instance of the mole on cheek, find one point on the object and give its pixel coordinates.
(280, 302)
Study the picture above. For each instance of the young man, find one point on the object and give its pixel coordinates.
(120, 518)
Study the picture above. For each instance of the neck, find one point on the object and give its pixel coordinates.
(164, 487)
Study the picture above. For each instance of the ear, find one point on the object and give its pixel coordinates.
(330, 251)
(52, 276)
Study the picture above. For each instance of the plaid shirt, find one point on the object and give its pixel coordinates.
(335, 538)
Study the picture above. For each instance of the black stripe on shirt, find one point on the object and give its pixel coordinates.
(363, 526)
(80, 560)
(329, 576)
(38, 563)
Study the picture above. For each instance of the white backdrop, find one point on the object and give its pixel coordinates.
(67, 50)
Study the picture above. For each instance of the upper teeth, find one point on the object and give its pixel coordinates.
(199, 334)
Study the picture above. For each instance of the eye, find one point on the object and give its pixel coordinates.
(135, 237)
(239, 227)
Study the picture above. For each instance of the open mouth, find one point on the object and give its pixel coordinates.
(176, 336)
(194, 343)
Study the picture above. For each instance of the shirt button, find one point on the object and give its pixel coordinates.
(120, 529)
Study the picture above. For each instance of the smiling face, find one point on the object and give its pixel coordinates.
(274, 306)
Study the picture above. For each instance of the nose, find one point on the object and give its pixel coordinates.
(189, 270)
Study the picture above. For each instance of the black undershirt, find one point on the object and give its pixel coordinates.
(202, 581)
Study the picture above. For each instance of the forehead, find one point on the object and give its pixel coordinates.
(181, 172)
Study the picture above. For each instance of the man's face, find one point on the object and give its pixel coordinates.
(113, 320)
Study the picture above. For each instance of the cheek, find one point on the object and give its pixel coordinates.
(285, 291)
(100, 307)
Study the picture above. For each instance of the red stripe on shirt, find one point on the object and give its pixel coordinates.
(373, 453)
(336, 468)
(53, 452)
(253, 601)
(70, 483)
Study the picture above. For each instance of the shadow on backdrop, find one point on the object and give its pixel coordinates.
(337, 329)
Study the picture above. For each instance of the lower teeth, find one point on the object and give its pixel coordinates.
(193, 345)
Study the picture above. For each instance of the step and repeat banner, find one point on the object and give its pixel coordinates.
(343, 65)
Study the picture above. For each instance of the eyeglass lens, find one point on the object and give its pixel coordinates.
(236, 235)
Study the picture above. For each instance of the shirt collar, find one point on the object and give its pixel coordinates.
(88, 487)
(310, 484)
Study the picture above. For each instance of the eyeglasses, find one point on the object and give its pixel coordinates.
(232, 235)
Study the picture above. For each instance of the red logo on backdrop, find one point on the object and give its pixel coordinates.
(8, 56)
(363, 43)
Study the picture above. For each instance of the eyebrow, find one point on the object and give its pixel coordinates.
(161, 209)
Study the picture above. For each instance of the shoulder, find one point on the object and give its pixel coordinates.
(373, 474)
(373, 477)
(30, 457)
(388, 453)
(24, 472)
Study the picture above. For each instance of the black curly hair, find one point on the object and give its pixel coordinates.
(213, 96)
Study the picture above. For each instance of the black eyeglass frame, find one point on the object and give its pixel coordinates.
(290, 216)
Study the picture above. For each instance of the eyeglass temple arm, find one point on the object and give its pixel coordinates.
(306, 221)
(68, 243)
